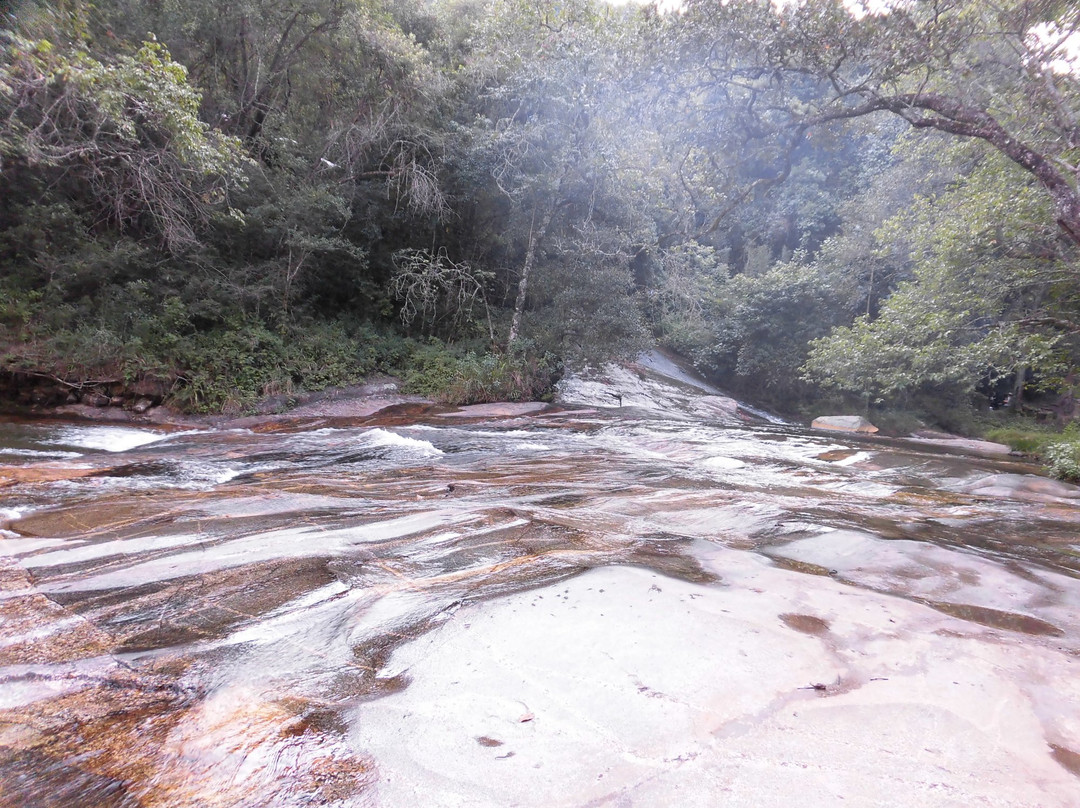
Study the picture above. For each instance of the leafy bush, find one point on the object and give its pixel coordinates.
(502, 377)
(230, 370)
(1062, 457)
(764, 324)
(1059, 451)
(1028, 441)
(429, 370)
(893, 421)
(436, 371)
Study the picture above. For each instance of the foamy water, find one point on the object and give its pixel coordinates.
(384, 437)
(107, 438)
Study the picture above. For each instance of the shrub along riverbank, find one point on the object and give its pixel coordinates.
(232, 373)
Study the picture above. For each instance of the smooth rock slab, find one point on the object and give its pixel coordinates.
(48, 472)
(1022, 486)
(717, 407)
(506, 409)
(623, 687)
(1015, 597)
(944, 439)
(843, 423)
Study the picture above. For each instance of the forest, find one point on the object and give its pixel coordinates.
(824, 205)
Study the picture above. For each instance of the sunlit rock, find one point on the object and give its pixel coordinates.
(44, 473)
(504, 409)
(844, 423)
(657, 384)
(1021, 599)
(642, 689)
(1021, 486)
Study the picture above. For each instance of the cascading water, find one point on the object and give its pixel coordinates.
(655, 599)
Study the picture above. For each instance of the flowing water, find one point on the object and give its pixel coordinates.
(653, 600)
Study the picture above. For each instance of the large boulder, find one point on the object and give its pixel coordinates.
(721, 407)
(1021, 486)
(844, 423)
(151, 387)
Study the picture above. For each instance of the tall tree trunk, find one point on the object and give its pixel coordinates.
(1016, 400)
(535, 237)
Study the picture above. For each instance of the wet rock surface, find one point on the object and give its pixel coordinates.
(1021, 486)
(844, 423)
(667, 602)
(960, 444)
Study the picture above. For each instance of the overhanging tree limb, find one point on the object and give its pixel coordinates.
(952, 116)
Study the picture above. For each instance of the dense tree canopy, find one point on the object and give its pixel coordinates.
(232, 200)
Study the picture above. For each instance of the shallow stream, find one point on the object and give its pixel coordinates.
(653, 600)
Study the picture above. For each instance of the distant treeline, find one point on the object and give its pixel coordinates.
(217, 202)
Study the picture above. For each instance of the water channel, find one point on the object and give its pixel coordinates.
(641, 597)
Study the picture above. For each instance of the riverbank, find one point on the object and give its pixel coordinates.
(657, 380)
(351, 401)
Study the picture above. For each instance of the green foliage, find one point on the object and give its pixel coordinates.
(680, 301)
(1029, 440)
(989, 295)
(1059, 450)
(517, 376)
(124, 130)
(438, 291)
(588, 312)
(230, 370)
(430, 370)
(764, 323)
(434, 371)
(1062, 457)
(250, 198)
